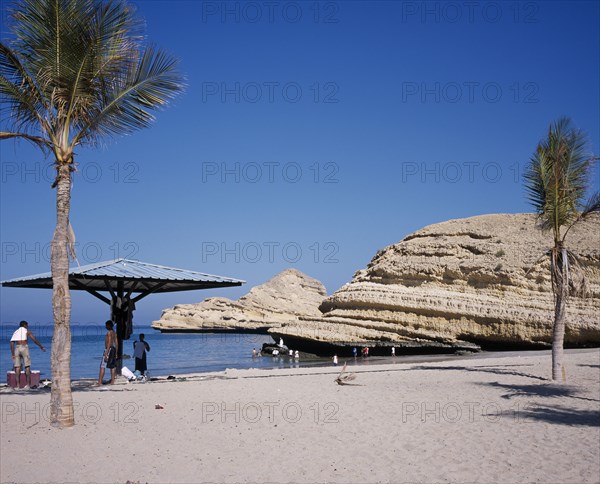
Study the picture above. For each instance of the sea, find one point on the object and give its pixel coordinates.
(170, 353)
(174, 353)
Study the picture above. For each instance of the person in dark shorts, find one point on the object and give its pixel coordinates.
(139, 352)
(109, 358)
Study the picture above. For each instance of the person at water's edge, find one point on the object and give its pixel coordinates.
(109, 358)
(139, 352)
(20, 351)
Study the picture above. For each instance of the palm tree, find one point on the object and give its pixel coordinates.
(76, 72)
(556, 182)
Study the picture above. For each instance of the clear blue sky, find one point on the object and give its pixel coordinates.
(311, 135)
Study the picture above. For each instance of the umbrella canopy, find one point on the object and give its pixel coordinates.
(123, 276)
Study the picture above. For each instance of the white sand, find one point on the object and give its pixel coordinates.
(470, 420)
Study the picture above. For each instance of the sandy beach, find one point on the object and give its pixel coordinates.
(493, 419)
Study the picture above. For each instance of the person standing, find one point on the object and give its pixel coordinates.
(109, 358)
(393, 351)
(20, 351)
(139, 352)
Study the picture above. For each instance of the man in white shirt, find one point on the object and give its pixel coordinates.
(20, 351)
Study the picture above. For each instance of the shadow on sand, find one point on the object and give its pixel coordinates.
(540, 388)
(544, 412)
(497, 370)
(556, 414)
(548, 390)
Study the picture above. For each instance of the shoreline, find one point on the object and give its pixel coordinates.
(209, 352)
(372, 364)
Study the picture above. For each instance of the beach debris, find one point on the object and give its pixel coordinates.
(158, 407)
(128, 374)
(344, 379)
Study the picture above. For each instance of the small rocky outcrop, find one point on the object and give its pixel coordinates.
(283, 299)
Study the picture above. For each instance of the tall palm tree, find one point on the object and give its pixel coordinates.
(556, 182)
(76, 72)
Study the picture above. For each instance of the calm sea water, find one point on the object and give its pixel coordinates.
(170, 353)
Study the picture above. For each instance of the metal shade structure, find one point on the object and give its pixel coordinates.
(127, 281)
(128, 276)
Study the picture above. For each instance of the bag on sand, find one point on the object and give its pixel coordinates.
(126, 372)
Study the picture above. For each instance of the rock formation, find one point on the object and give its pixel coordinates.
(481, 280)
(283, 299)
(461, 284)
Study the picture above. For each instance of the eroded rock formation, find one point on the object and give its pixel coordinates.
(283, 299)
(476, 280)
(460, 284)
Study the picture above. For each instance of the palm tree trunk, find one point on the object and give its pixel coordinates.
(561, 274)
(61, 401)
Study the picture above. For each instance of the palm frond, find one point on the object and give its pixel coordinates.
(577, 276)
(127, 103)
(50, 36)
(534, 178)
(38, 141)
(23, 107)
(111, 43)
(557, 176)
(592, 205)
(93, 75)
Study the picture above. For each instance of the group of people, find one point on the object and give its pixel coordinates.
(276, 352)
(364, 352)
(21, 357)
(19, 349)
(109, 357)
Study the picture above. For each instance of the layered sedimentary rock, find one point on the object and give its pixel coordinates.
(482, 280)
(283, 299)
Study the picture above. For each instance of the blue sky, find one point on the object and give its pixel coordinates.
(311, 135)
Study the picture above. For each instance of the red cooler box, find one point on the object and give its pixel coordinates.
(11, 379)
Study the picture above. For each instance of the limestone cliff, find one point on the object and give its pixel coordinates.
(283, 299)
(480, 281)
(476, 280)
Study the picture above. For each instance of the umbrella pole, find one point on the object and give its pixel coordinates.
(118, 317)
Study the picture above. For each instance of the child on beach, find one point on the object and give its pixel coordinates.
(139, 352)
